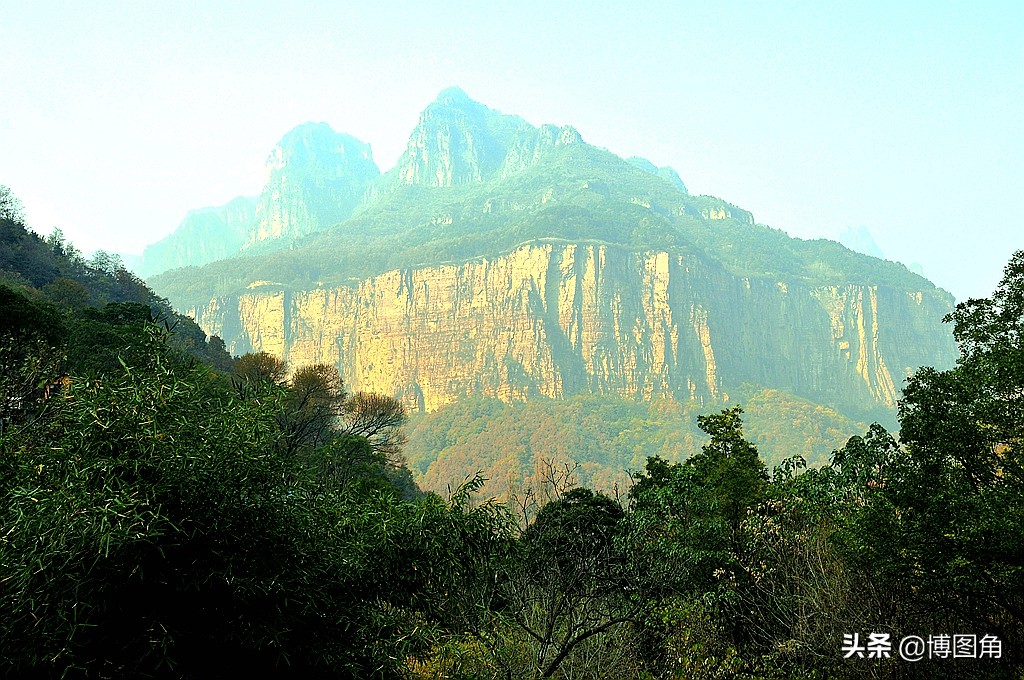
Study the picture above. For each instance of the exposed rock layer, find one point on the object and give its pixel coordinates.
(315, 178)
(556, 318)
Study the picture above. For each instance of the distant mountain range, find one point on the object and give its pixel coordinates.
(498, 259)
(859, 239)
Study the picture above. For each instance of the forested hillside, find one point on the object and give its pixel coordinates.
(93, 307)
(163, 517)
(602, 438)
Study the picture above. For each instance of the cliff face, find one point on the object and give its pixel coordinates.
(315, 177)
(555, 318)
(460, 141)
(205, 235)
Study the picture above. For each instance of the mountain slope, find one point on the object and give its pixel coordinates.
(501, 259)
(98, 306)
(603, 437)
(315, 177)
(205, 235)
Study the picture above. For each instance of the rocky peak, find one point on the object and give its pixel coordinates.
(456, 141)
(568, 135)
(456, 97)
(461, 141)
(316, 144)
(666, 173)
(315, 177)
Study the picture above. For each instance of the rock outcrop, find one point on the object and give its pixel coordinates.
(556, 318)
(315, 178)
(460, 141)
(205, 235)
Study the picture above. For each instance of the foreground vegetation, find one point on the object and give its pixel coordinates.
(162, 517)
(603, 437)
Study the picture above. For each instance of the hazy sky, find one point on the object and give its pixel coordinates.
(905, 118)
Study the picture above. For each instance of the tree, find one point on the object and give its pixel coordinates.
(319, 407)
(687, 521)
(315, 400)
(11, 207)
(152, 526)
(960, 491)
(379, 418)
(937, 516)
(729, 466)
(260, 367)
(571, 581)
(146, 485)
(33, 341)
(103, 339)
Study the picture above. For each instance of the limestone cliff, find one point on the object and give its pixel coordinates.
(315, 177)
(460, 141)
(556, 318)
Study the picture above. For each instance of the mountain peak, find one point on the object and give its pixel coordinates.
(461, 141)
(666, 173)
(315, 178)
(312, 142)
(457, 141)
(454, 96)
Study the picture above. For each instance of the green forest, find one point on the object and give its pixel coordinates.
(170, 511)
(602, 437)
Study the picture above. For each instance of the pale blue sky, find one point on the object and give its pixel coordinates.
(905, 118)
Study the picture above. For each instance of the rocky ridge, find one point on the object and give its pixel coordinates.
(205, 235)
(555, 319)
(502, 259)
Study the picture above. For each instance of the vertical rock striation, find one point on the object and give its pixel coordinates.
(555, 318)
(315, 178)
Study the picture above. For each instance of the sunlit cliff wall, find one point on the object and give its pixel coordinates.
(555, 318)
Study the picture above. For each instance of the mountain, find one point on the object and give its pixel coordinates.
(315, 177)
(664, 172)
(499, 259)
(205, 235)
(860, 240)
(460, 141)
